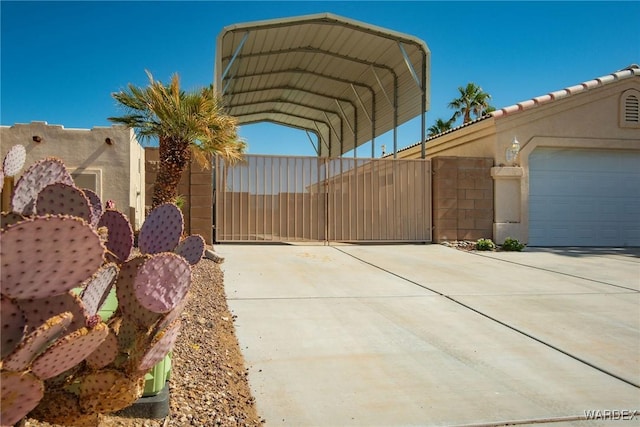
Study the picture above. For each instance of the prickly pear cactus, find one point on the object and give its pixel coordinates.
(63, 199)
(161, 230)
(95, 204)
(13, 325)
(44, 256)
(8, 218)
(32, 345)
(20, 392)
(119, 235)
(105, 353)
(38, 176)
(162, 282)
(96, 291)
(191, 248)
(14, 160)
(61, 254)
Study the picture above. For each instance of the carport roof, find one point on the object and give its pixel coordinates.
(346, 81)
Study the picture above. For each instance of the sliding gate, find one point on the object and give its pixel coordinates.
(311, 199)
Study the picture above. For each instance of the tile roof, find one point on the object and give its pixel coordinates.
(630, 71)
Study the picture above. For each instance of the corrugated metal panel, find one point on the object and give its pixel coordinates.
(304, 199)
(323, 71)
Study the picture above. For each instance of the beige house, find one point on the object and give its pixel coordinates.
(576, 178)
(107, 160)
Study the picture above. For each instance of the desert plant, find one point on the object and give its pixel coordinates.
(61, 256)
(186, 124)
(472, 100)
(440, 126)
(180, 201)
(485, 245)
(512, 245)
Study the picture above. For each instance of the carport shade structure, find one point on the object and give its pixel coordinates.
(345, 81)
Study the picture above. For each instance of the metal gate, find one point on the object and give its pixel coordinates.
(311, 199)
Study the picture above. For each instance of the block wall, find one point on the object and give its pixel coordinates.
(462, 198)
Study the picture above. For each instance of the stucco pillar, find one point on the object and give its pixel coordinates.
(507, 203)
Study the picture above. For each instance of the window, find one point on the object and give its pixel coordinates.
(88, 179)
(630, 109)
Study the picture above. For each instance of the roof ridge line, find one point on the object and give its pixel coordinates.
(625, 73)
(622, 74)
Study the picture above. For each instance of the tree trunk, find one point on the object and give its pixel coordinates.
(174, 158)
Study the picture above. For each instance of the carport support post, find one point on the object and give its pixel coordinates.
(507, 204)
(423, 139)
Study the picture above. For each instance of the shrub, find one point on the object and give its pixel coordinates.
(512, 245)
(485, 245)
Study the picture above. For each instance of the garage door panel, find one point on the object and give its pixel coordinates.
(584, 198)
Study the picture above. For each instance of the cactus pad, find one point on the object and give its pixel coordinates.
(49, 255)
(20, 392)
(160, 347)
(97, 289)
(105, 353)
(172, 315)
(108, 391)
(191, 248)
(161, 230)
(127, 335)
(36, 341)
(38, 311)
(63, 199)
(69, 351)
(162, 282)
(125, 291)
(120, 234)
(61, 407)
(13, 325)
(96, 205)
(14, 160)
(37, 177)
(9, 218)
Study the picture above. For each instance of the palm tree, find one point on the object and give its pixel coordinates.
(186, 124)
(472, 100)
(439, 127)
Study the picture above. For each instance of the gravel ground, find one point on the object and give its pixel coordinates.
(208, 383)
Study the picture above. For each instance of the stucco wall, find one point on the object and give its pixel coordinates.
(120, 174)
(475, 140)
(590, 119)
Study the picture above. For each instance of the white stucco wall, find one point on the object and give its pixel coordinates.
(119, 166)
(137, 180)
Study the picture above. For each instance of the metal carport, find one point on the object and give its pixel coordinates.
(343, 80)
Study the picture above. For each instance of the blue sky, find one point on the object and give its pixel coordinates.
(60, 61)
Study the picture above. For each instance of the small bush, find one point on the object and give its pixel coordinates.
(512, 245)
(180, 201)
(485, 245)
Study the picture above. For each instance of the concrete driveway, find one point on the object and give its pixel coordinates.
(426, 335)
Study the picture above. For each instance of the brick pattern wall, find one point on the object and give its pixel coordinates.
(462, 198)
(196, 187)
(199, 203)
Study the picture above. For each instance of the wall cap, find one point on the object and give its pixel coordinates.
(506, 172)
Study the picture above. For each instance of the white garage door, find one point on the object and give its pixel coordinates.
(584, 198)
